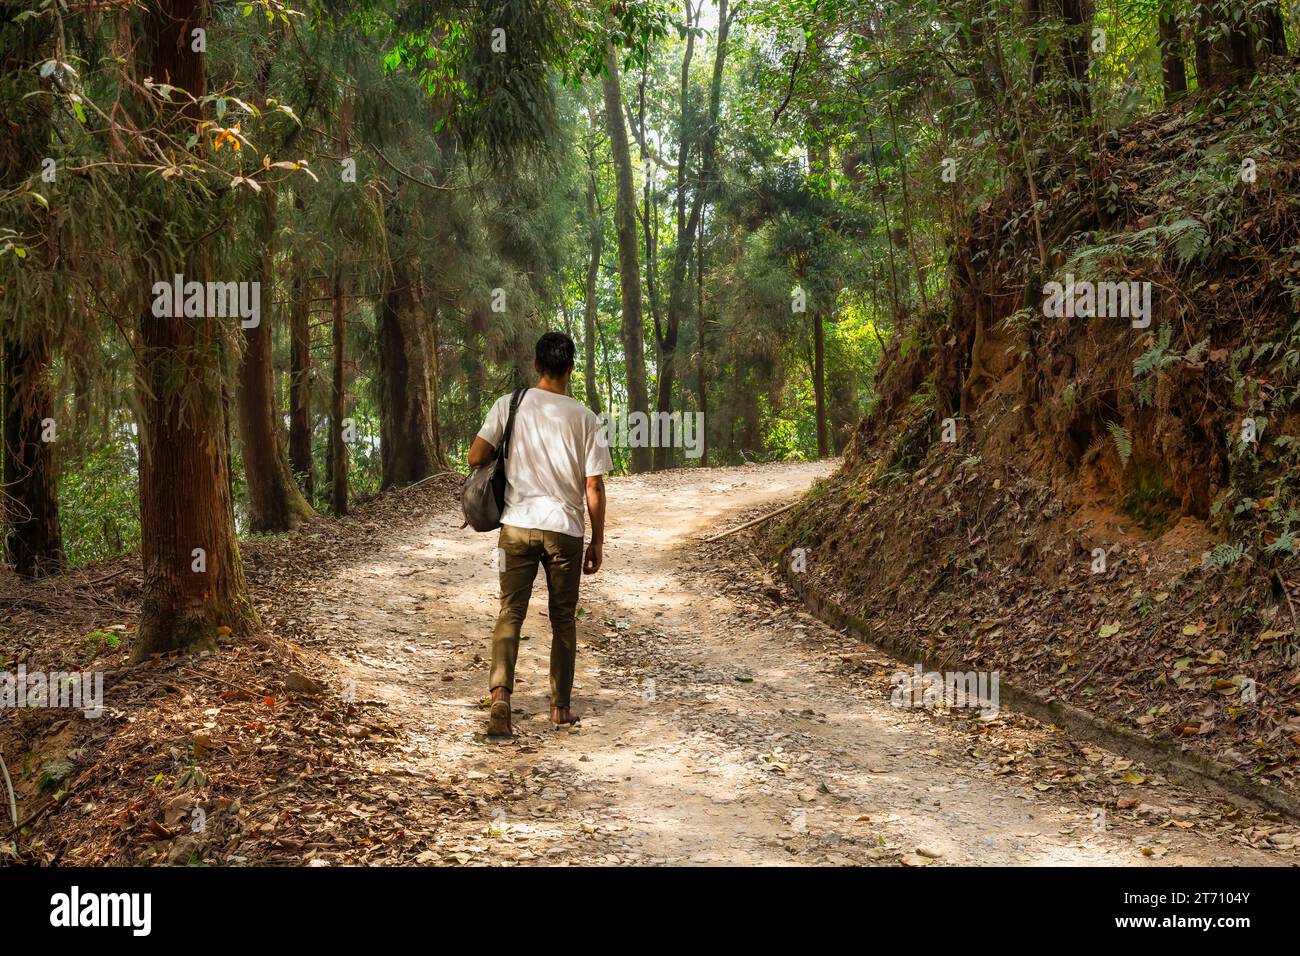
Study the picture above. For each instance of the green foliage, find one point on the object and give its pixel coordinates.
(1070, 397)
(1225, 555)
(1189, 240)
(1148, 500)
(1123, 441)
(1157, 357)
(98, 502)
(1284, 543)
(791, 432)
(1186, 240)
(482, 164)
(1152, 362)
(53, 773)
(97, 640)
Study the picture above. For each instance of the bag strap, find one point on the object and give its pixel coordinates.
(510, 422)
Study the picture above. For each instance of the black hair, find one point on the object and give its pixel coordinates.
(555, 352)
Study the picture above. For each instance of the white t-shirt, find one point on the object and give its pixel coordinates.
(558, 443)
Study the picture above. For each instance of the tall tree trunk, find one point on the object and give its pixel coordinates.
(300, 382)
(702, 384)
(629, 262)
(751, 435)
(1077, 16)
(300, 395)
(29, 507)
(193, 580)
(1273, 30)
(666, 336)
(706, 188)
(819, 380)
(969, 34)
(912, 244)
(1225, 54)
(275, 502)
(589, 305)
(733, 422)
(1032, 13)
(1173, 68)
(1241, 36)
(688, 222)
(338, 449)
(1207, 47)
(407, 401)
(650, 230)
(1035, 15)
(473, 364)
(605, 364)
(29, 496)
(889, 229)
(435, 381)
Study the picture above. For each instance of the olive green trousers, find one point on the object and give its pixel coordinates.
(521, 551)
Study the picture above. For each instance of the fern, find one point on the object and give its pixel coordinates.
(1225, 555)
(1069, 396)
(1196, 351)
(1189, 239)
(1158, 358)
(1222, 556)
(1285, 543)
(1019, 322)
(1123, 441)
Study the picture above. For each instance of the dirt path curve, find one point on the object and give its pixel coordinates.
(717, 728)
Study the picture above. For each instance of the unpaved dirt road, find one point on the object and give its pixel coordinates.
(718, 727)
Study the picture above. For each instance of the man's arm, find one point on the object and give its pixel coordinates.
(481, 452)
(596, 508)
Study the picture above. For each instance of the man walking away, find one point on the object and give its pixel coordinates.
(557, 455)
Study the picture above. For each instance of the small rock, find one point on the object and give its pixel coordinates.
(183, 850)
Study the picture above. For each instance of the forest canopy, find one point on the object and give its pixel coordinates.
(734, 208)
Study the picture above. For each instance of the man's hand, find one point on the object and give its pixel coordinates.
(595, 556)
(596, 507)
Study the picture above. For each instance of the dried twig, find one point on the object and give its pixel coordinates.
(13, 799)
(107, 577)
(407, 574)
(1092, 670)
(238, 687)
(33, 817)
(1282, 584)
(750, 524)
(439, 474)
